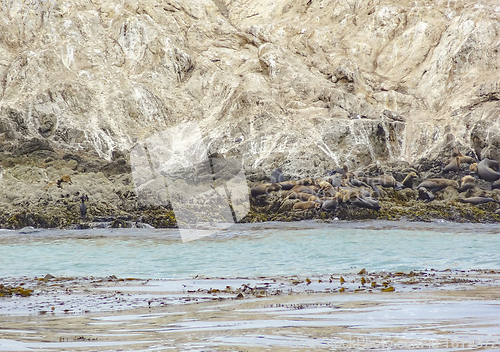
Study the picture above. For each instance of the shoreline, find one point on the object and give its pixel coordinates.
(90, 293)
(30, 196)
(151, 315)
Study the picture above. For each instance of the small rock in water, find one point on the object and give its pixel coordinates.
(28, 229)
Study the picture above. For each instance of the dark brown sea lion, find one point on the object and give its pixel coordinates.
(264, 188)
(306, 205)
(478, 200)
(424, 194)
(453, 165)
(437, 184)
(287, 185)
(487, 169)
(408, 181)
(466, 183)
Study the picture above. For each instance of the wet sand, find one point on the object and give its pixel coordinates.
(423, 310)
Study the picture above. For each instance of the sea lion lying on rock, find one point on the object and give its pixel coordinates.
(301, 188)
(437, 184)
(424, 194)
(330, 204)
(487, 169)
(365, 202)
(300, 195)
(386, 181)
(286, 186)
(478, 200)
(306, 205)
(463, 159)
(466, 183)
(264, 188)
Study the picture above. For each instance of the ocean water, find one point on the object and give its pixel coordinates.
(251, 250)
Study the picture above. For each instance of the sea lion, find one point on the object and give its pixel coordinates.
(453, 165)
(330, 204)
(408, 181)
(324, 185)
(345, 194)
(365, 202)
(328, 193)
(314, 199)
(336, 182)
(487, 169)
(365, 193)
(304, 182)
(287, 185)
(277, 176)
(437, 184)
(301, 188)
(384, 181)
(264, 188)
(300, 195)
(478, 200)
(463, 159)
(306, 205)
(424, 194)
(466, 183)
(356, 182)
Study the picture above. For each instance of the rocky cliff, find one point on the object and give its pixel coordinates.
(310, 84)
(290, 76)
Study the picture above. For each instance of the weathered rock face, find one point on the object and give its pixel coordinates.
(291, 76)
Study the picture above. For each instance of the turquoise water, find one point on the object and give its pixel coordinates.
(252, 250)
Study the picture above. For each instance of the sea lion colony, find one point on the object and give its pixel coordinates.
(340, 187)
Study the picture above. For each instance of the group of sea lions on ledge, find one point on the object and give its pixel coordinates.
(340, 186)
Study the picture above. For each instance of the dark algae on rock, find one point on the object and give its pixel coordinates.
(47, 192)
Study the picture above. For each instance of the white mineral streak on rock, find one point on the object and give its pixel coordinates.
(286, 74)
